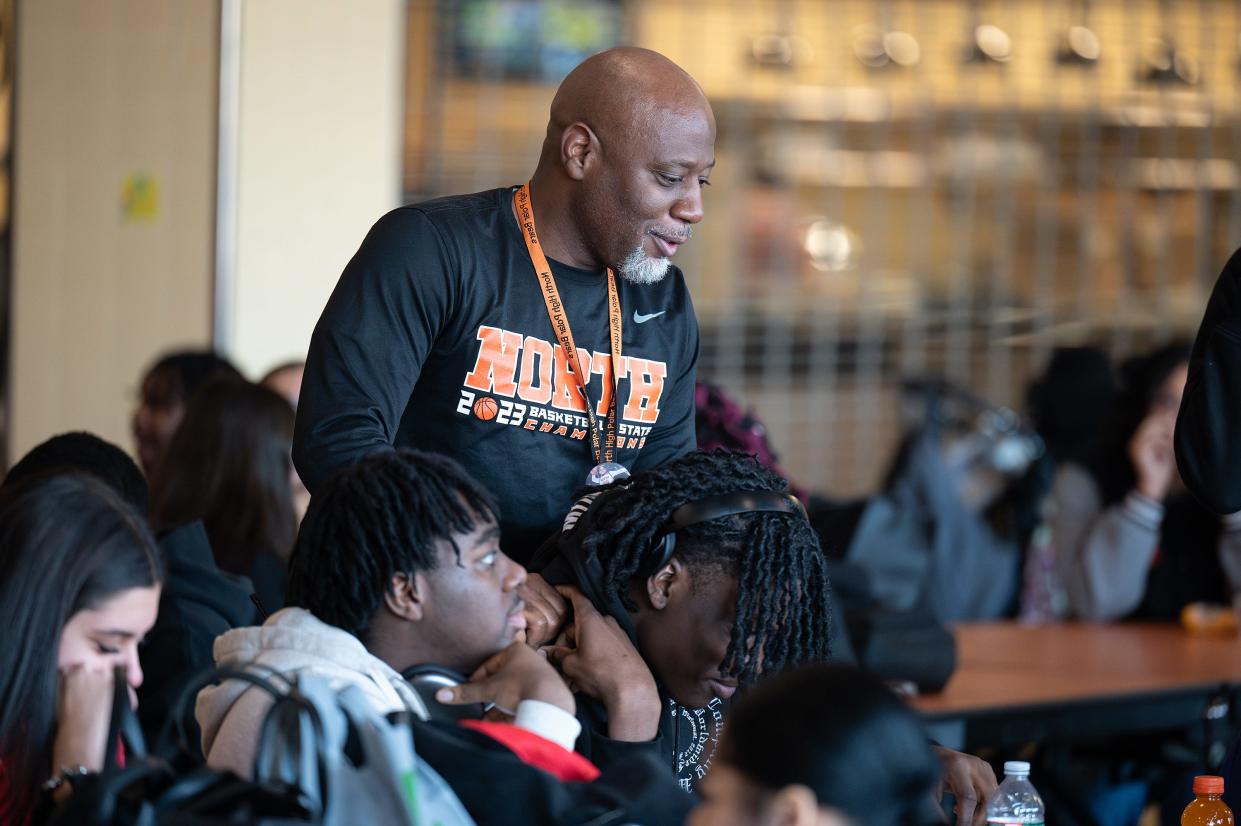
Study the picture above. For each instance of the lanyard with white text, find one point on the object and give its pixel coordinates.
(604, 452)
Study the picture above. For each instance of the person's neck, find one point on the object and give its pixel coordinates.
(556, 223)
(392, 641)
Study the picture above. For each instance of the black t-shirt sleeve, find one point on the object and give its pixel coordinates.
(369, 345)
(1208, 428)
(675, 433)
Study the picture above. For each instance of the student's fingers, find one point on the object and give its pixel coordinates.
(582, 607)
(567, 662)
(966, 808)
(545, 610)
(466, 693)
(556, 654)
(537, 590)
(971, 781)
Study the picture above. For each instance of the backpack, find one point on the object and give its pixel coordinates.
(324, 758)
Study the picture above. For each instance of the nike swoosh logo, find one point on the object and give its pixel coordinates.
(638, 318)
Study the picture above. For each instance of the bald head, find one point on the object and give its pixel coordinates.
(630, 146)
(615, 89)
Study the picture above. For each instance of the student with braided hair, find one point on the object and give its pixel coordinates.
(709, 568)
(711, 571)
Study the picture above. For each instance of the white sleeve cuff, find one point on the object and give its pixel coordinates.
(1146, 512)
(549, 722)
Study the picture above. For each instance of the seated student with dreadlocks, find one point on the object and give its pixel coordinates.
(398, 567)
(709, 567)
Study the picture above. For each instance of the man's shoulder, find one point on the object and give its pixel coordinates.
(457, 210)
(452, 223)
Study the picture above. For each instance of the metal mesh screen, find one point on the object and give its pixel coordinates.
(904, 188)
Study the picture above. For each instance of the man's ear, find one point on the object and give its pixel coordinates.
(667, 584)
(578, 148)
(406, 598)
(796, 805)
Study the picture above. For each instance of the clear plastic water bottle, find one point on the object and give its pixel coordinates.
(1015, 801)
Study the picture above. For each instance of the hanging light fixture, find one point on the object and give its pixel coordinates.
(1079, 45)
(988, 43)
(880, 45)
(1162, 63)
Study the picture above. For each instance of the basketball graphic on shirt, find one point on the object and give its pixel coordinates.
(486, 408)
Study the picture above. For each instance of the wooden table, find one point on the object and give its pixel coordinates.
(1016, 683)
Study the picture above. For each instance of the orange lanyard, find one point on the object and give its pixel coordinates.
(606, 451)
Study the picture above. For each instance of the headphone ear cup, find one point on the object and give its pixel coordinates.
(665, 547)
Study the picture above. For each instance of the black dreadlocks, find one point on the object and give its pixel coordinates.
(783, 597)
(374, 520)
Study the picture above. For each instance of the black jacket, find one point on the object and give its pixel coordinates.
(198, 603)
(496, 787)
(1208, 429)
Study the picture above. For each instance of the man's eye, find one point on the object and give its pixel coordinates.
(703, 182)
(667, 180)
(488, 560)
(106, 649)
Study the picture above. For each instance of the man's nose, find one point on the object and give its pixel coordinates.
(688, 208)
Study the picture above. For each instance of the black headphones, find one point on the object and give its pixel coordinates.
(716, 507)
(427, 679)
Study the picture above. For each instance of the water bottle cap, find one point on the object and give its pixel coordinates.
(1208, 784)
(1016, 767)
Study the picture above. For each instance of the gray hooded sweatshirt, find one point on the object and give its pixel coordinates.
(292, 640)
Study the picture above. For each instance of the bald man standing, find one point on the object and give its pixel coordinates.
(538, 334)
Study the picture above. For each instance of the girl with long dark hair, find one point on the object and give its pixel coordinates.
(229, 465)
(80, 578)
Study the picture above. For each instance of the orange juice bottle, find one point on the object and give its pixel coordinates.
(1207, 808)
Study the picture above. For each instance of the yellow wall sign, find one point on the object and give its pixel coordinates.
(139, 198)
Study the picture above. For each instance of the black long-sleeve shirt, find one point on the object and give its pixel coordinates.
(437, 337)
(1208, 428)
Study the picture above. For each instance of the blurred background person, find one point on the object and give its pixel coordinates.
(1131, 541)
(286, 379)
(166, 387)
(1069, 406)
(229, 465)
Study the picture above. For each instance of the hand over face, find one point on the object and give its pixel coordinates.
(546, 610)
(1151, 451)
(517, 673)
(83, 716)
(971, 781)
(601, 661)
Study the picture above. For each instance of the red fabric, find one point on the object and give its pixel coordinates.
(564, 765)
(8, 818)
